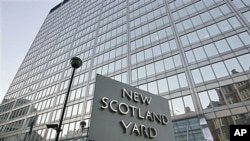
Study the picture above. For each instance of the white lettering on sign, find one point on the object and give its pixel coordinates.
(136, 97)
(123, 108)
(239, 132)
(139, 130)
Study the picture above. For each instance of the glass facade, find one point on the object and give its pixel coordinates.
(195, 53)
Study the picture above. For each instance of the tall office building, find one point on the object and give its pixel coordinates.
(195, 53)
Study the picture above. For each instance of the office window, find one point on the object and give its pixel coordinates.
(162, 85)
(247, 15)
(178, 106)
(219, 70)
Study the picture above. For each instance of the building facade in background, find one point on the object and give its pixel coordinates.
(195, 53)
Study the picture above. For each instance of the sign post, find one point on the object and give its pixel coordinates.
(122, 112)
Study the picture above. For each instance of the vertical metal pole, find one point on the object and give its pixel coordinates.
(64, 107)
(187, 133)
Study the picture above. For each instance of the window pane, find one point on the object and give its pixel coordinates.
(177, 60)
(245, 61)
(140, 56)
(162, 85)
(203, 34)
(210, 50)
(182, 80)
(222, 46)
(215, 96)
(196, 20)
(213, 30)
(184, 40)
(189, 105)
(220, 70)
(190, 56)
(142, 72)
(148, 53)
(159, 67)
(215, 13)
(247, 15)
(196, 76)
(152, 88)
(199, 54)
(206, 17)
(169, 64)
(233, 66)
(88, 106)
(150, 69)
(193, 37)
(234, 42)
(156, 51)
(75, 110)
(224, 26)
(234, 22)
(205, 102)
(178, 106)
(245, 38)
(69, 111)
(207, 73)
(134, 75)
(173, 83)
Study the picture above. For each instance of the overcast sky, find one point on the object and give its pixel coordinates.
(20, 21)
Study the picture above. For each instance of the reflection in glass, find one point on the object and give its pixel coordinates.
(152, 87)
(219, 70)
(199, 54)
(65, 130)
(196, 76)
(173, 83)
(234, 42)
(150, 69)
(216, 98)
(169, 63)
(143, 87)
(245, 37)
(182, 80)
(178, 107)
(205, 102)
(159, 67)
(190, 56)
(224, 26)
(88, 106)
(177, 60)
(210, 50)
(222, 46)
(220, 126)
(75, 110)
(189, 105)
(233, 66)
(213, 30)
(245, 61)
(71, 131)
(184, 40)
(162, 85)
(148, 53)
(228, 94)
(203, 34)
(142, 72)
(193, 37)
(207, 73)
(134, 75)
(234, 22)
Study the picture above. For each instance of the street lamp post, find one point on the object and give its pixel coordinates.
(83, 124)
(75, 63)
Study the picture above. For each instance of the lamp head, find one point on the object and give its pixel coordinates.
(76, 62)
(83, 124)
